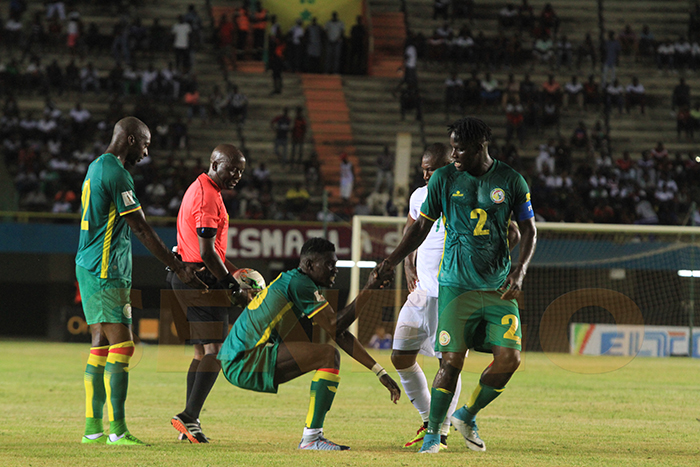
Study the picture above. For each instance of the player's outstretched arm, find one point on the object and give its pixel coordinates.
(335, 323)
(412, 239)
(349, 343)
(528, 238)
(151, 240)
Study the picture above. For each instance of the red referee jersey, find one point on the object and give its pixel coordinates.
(202, 206)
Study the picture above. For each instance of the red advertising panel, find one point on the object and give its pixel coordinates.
(263, 240)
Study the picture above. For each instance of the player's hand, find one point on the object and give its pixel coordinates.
(512, 287)
(373, 281)
(188, 275)
(385, 272)
(393, 388)
(231, 285)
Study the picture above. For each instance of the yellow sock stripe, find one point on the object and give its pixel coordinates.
(89, 392)
(444, 391)
(475, 394)
(118, 358)
(96, 360)
(115, 357)
(326, 375)
(108, 390)
(499, 390)
(310, 413)
(121, 345)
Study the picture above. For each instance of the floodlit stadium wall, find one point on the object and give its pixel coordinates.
(588, 274)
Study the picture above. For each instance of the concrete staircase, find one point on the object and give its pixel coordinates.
(389, 34)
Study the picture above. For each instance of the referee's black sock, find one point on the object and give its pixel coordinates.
(205, 377)
(191, 375)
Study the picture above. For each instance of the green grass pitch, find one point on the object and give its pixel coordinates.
(641, 412)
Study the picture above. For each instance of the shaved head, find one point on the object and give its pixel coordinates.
(129, 126)
(437, 154)
(227, 152)
(130, 141)
(226, 166)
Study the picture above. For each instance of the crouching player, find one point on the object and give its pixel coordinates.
(256, 356)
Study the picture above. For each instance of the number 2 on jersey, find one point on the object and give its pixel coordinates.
(481, 214)
(510, 333)
(85, 202)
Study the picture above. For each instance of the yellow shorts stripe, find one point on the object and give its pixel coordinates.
(107, 245)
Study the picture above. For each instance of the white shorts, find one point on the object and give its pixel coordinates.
(417, 324)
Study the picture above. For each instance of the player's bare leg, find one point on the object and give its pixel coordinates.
(491, 385)
(297, 358)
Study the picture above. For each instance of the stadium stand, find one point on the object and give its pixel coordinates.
(483, 38)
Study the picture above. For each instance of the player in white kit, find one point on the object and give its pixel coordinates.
(417, 322)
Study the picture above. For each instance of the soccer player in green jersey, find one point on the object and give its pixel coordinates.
(261, 351)
(477, 196)
(109, 212)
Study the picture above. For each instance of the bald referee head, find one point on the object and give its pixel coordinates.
(226, 166)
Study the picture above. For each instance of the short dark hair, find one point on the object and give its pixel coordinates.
(470, 129)
(439, 152)
(316, 245)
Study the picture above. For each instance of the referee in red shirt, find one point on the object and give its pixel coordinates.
(202, 238)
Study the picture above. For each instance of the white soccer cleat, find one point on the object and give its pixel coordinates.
(321, 444)
(469, 431)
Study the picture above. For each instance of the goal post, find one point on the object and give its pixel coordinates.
(591, 289)
(364, 240)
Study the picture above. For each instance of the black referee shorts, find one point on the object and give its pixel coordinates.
(203, 318)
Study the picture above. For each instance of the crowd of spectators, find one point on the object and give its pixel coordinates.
(314, 47)
(48, 152)
(656, 188)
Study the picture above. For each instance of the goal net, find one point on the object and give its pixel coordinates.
(591, 289)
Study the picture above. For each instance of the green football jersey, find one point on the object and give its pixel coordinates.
(104, 248)
(477, 212)
(273, 313)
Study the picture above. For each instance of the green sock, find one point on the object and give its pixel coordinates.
(440, 400)
(117, 383)
(323, 388)
(95, 395)
(481, 397)
(93, 426)
(118, 427)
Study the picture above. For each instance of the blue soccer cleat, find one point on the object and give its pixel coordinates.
(431, 444)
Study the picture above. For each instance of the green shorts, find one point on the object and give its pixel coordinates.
(476, 320)
(104, 300)
(253, 369)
